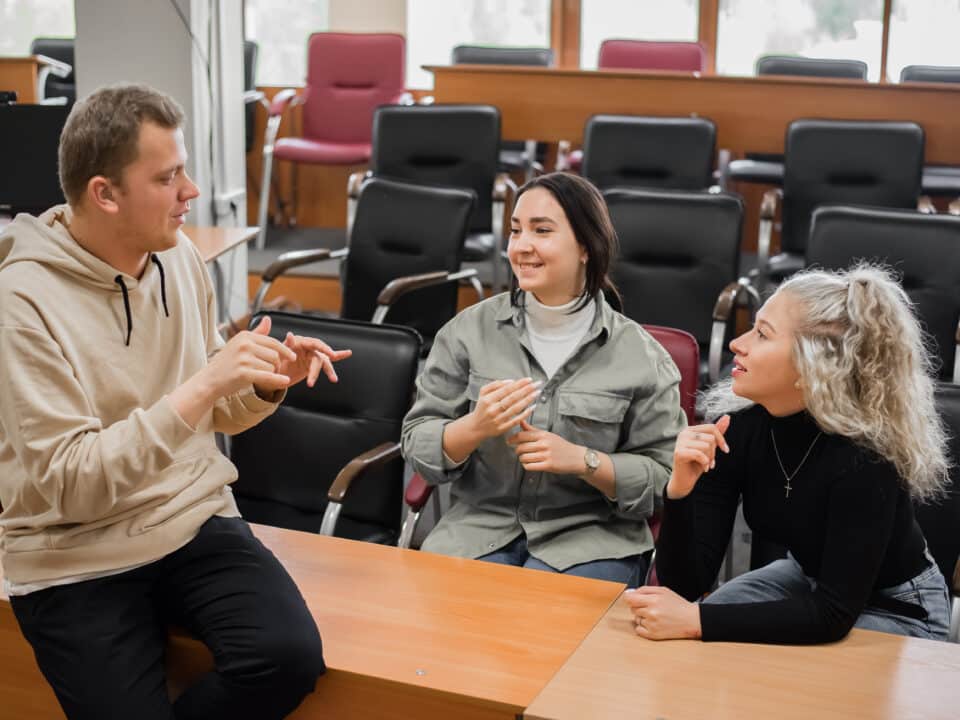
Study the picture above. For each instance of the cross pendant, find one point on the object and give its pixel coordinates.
(788, 488)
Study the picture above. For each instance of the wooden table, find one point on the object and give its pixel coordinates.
(213, 243)
(21, 74)
(406, 634)
(751, 113)
(615, 674)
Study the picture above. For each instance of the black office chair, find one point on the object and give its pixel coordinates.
(938, 180)
(404, 238)
(251, 96)
(447, 146)
(651, 152)
(930, 73)
(836, 162)
(29, 140)
(62, 85)
(939, 520)
(925, 249)
(677, 267)
(515, 156)
(767, 168)
(328, 460)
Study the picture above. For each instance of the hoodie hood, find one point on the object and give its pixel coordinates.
(47, 240)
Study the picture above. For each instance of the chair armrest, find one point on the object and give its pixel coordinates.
(954, 207)
(358, 466)
(563, 156)
(418, 493)
(398, 287)
(723, 311)
(282, 100)
(296, 258)
(427, 100)
(404, 98)
(925, 205)
(355, 183)
(768, 213)
(55, 67)
(255, 96)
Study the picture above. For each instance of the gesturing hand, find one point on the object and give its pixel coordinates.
(312, 357)
(695, 454)
(660, 614)
(250, 358)
(502, 404)
(542, 451)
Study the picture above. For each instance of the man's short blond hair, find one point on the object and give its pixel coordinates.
(102, 131)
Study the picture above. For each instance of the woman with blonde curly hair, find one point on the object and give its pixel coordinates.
(828, 434)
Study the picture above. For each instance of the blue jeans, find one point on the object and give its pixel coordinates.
(785, 578)
(628, 570)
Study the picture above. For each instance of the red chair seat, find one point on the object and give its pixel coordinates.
(319, 152)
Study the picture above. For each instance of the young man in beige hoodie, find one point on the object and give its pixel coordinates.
(117, 512)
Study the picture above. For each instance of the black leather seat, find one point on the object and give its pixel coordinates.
(938, 180)
(448, 146)
(925, 249)
(930, 73)
(679, 251)
(348, 431)
(767, 168)
(515, 156)
(837, 162)
(250, 52)
(59, 49)
(405, 237)
(651, 152)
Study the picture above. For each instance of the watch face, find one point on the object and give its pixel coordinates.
(592, 459)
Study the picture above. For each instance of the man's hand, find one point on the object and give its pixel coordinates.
(251, 357)
(313, 357)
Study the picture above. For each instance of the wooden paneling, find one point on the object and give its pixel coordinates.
(867, 675)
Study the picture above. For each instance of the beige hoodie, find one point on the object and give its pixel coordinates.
(97, 470)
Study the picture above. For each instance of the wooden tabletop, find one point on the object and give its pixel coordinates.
(215, 241)
(615, 674)
(751, 113)
(405, 633)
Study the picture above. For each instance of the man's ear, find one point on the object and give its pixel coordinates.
(101, 193)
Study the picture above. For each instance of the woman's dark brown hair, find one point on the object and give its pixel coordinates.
(587, 213)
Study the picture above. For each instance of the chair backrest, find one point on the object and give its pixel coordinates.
(678, 250)
(348, 76)
(811, 67)
(250, 52)
(651, 55)
(29, 140)
(287, 463)
(440, 145)
(685, 352)
(502, 55)
(925, 249)
(940, 520)
(654, 152)
(59, 49)
(402, 229)
(847, 162)
(930, 73)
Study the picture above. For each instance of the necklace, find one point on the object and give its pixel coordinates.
(790, 476)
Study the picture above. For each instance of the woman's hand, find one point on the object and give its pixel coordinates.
(660, 614)
(695, 454)
(542, 451)
(503, 404)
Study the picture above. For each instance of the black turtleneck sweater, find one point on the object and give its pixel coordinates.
(848, 521)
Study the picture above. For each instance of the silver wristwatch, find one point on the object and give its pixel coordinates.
(592, 460)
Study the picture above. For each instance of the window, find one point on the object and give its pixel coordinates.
(23, 20)
(836, 29)
(634, 20)
(923, 32)
(435, 27)
(281, 29)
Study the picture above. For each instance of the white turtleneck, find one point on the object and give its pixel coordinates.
(554, 331)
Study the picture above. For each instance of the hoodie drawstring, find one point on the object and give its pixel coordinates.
(126, 296)
(126, 305)
(163, 284)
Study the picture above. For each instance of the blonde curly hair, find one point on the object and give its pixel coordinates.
(866, 371)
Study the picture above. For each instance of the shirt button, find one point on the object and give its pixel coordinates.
(492, 545)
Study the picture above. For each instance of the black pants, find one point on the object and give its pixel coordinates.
(101, 643)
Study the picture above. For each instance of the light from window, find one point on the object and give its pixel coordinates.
(435, 27)
(23, 20)
(835, 29)
(923, 32)
(634, 20)
(281, 29)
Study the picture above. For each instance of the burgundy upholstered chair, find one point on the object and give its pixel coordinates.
(639, 55)
(348, 76)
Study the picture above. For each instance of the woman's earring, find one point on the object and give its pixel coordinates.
(797, 385)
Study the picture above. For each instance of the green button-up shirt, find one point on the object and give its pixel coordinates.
(617, 393)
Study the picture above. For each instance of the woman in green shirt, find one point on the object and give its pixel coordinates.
(552, 415)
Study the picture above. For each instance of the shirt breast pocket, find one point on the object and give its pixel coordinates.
(475, 384)
(593, 419)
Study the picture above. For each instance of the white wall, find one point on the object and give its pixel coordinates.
(368, 15)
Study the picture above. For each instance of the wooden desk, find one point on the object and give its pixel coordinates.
(406, 634)
(615, 674)
(21, 75)
(212, 242)
(751, 113)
